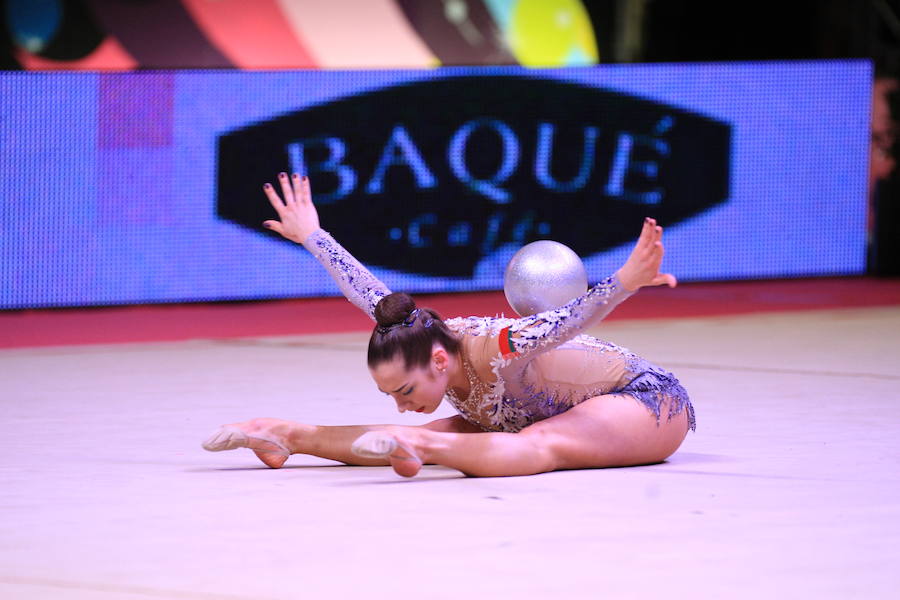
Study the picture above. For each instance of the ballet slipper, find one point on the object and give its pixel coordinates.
(381, 444)
(229, 437)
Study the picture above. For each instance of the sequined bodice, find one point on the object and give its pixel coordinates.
(520, 370)
(478, 389)
(533, 383)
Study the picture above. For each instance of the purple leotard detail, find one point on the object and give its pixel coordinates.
(358, 285)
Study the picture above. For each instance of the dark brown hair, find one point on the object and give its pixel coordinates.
(409, 331)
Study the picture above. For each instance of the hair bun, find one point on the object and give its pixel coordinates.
(393, 309)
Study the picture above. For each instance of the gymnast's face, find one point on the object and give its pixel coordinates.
(418, 389)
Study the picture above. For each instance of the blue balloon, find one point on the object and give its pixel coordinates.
(33, 23)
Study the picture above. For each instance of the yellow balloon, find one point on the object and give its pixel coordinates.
(551, 33)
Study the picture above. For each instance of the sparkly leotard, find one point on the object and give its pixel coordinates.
(534, 367)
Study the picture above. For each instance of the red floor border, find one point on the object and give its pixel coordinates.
(50, 327)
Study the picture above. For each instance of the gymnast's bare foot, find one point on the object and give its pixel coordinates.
(268, 438)
(385, 444)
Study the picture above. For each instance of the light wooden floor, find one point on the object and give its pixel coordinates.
(790, 488)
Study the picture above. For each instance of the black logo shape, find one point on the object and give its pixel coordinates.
(431, 176)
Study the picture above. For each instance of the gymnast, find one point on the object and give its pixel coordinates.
(533, 394)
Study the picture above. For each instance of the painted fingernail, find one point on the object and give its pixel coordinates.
(295, 176)
(282, 174)
(267, 226)
(305, 178)
(267, 185)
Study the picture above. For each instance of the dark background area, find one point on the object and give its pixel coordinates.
(711, 31)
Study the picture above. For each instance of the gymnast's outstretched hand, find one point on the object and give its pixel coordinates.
(642, 267)
(298, 217)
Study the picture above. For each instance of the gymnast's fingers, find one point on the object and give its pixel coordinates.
(655, 232)
(656, 239)
(274, 226)
(273, 197)
(286, 188)
(647, 247)
(641, 244)
(300, 188)
(305, 191)
(665, 278)
(657, 256)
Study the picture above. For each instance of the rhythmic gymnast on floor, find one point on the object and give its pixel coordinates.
(533, 394)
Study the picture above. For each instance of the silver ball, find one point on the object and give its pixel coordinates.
(543, 275)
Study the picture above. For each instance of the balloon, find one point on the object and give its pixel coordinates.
(543, 275)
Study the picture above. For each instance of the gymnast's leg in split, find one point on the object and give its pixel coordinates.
(605, 431)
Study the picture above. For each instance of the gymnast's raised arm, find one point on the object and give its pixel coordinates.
(546, 330)
(299, 222)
